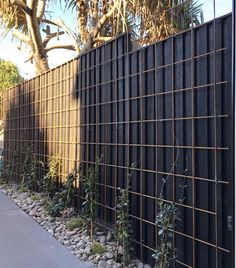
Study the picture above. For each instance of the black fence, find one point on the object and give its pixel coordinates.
(163, 111)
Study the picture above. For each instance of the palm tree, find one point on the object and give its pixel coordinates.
(98, 21)
(156, 20)
(25, 19)
(147, 20)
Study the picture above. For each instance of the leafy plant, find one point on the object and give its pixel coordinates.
(123, 229)
(50, 180)
(2, 181)
(29, 174)
(62, 199)
(166, 221)
(74, 223)
(35, 197)
(89, 210)
(97, 248)
(8, 169)
(23, 189)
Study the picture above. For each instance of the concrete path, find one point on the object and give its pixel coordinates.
(25, 244)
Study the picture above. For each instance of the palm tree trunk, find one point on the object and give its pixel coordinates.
(82, 20)
(38, 50)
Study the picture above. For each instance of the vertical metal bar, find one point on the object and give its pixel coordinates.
(115, 63)
(215, 134)
(141, 150)
(193, 141)
(173, 126)
(156, 139)
(233, 112)
(106, 151)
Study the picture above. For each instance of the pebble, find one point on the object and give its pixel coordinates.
(102, 264)
(109, 255)
(109, 236)
(139, 264)
(102, 239)
(51, 231)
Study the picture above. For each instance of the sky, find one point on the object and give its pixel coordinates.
(9, 51)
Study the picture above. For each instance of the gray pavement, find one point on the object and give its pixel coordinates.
(25, 244)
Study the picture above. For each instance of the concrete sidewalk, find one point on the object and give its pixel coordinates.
(25, 244)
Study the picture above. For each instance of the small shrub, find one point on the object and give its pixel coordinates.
(62, 199)
(123, 230)
(74, 223)
(45, 203)
(8, 169)
(29, 174)
(97, 248)
(166, 221)
(2, 181)
(23, 190)
(89, 210)
(50, 180)
(35, 197)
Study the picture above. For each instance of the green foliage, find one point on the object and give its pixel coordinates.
(29, 174)
(97, 248)
(9, 74)
(8, 169)
(186, 14)
(123, 229)
(23, 189)
(89, 210)
(74, 223)
(50, 180)
(35, 197)
(62, 199)
(166, 221)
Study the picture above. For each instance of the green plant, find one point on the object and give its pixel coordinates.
(97, 248)
(74, 223)
(89, 210)
(62, 199)
(8, 169)
(23, 189)
(123, 230)
(166, 219)
(2, 181)
(50, 180)
(29, 174)
(35, 197)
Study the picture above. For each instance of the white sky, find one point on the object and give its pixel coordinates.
(9, 51)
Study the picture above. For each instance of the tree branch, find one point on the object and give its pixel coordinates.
(91, 40)
(40, 9)
(103, 20)
(30, 58)
(54, 23)
(21, 4)
(60, 46)
(102, 39)
(22, 37)
(50, 36)
(59, 23)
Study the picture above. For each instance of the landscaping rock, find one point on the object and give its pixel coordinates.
(109, 255)
(78, 240)
(102, 264)
(102, 239)
(109, 236)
